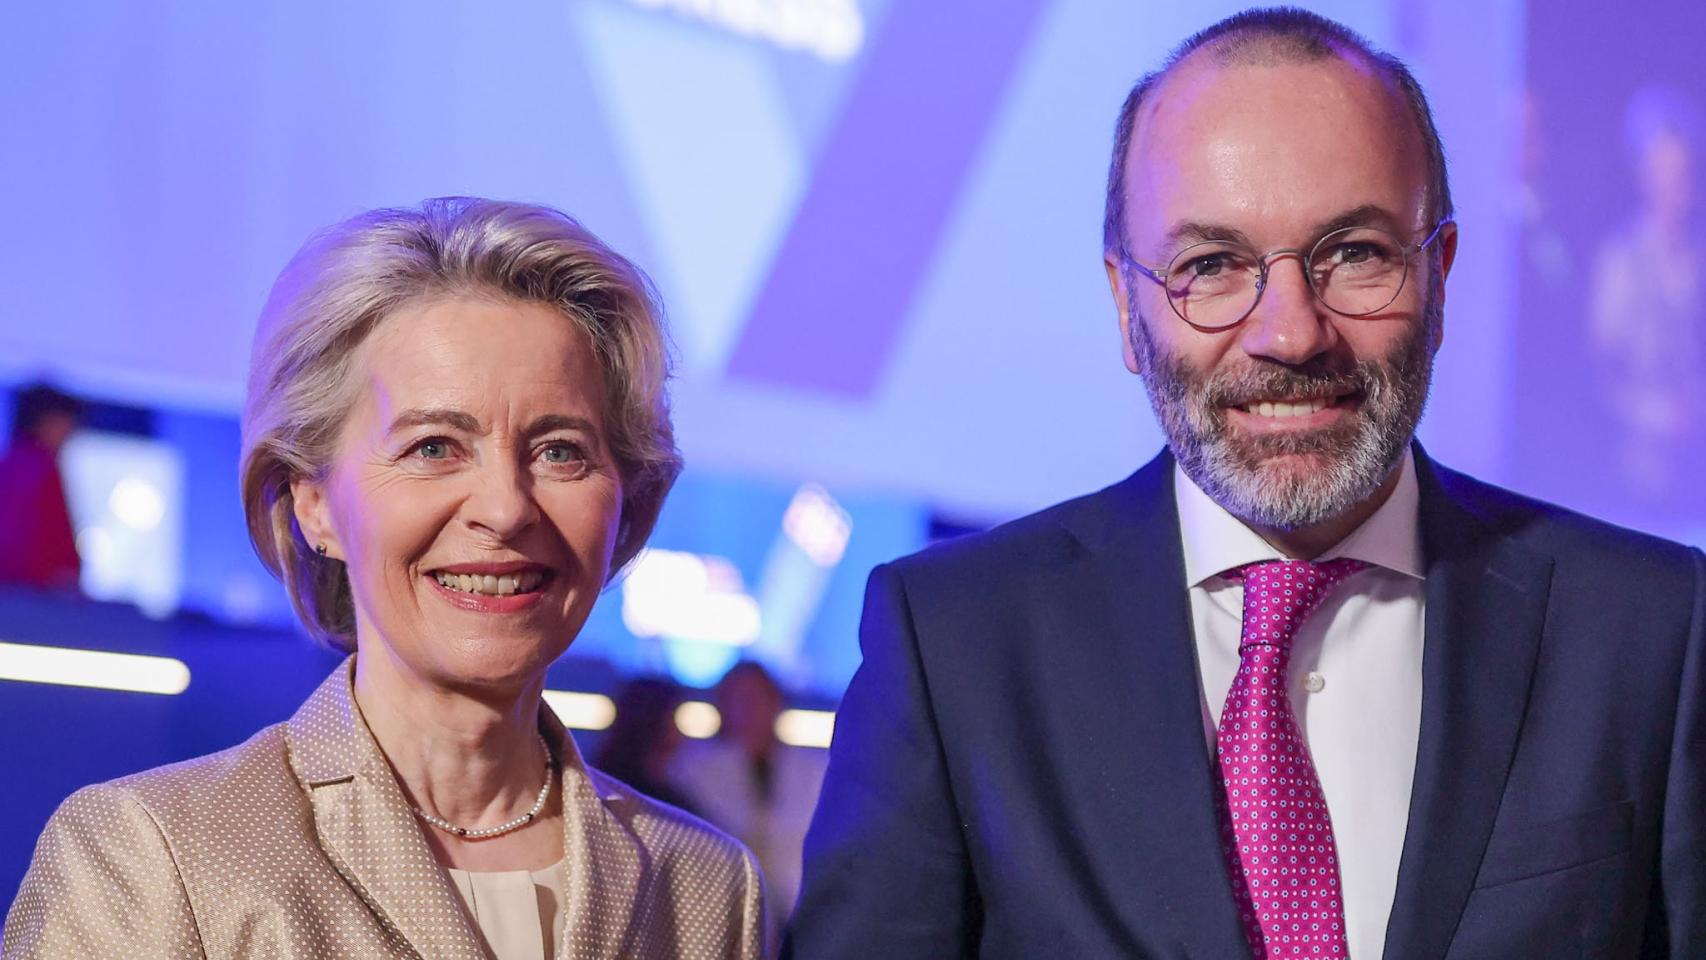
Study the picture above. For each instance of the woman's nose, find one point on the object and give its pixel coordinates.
(501, 502)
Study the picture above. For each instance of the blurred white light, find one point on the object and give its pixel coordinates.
(92, 668)
(833, 30)
(582, 711)
(686, 596)
(805, 728)
(728, 618)
(137, 504)
(95, 546)
(125, 494)
(667, 571)
(698, 719)
(817, 525)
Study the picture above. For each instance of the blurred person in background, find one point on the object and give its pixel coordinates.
(1648, 322)
(38, 545)
(749, 783)
(456, 431)
(643, 739)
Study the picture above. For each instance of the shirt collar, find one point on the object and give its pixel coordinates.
(1215, 541)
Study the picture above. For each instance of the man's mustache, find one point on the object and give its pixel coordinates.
(1292, 383)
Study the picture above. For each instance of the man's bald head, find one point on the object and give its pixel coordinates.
(1263, 38)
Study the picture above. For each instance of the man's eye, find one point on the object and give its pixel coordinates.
(1364, 253)
(1207, 266)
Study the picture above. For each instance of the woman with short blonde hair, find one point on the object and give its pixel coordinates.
(456, 432)
(347, 279)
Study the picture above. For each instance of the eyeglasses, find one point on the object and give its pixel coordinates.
(1355, 272)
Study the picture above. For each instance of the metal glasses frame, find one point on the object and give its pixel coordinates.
(1159, 274)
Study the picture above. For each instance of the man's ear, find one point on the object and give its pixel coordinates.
(1122, 305)
(314, 517)
(1447, 256)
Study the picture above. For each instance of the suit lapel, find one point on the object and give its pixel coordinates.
(1486, 598)
(371, 836)
(606, 864)
(366, 828)
(1144, 787)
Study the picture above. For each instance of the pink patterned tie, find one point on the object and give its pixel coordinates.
(1276, 832)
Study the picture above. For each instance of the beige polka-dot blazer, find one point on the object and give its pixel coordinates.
(299, 844)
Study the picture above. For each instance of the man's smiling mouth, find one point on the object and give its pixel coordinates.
(1283, 408)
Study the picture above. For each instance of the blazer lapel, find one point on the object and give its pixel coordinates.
(1486, 599)
(366, 827)
(606, 864)
(1146, 791)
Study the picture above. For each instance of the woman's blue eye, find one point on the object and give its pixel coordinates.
(560, 453)
(433, 449)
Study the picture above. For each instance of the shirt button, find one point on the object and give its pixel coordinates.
(1314, 682)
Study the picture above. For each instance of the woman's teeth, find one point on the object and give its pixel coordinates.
(492, 586)
(1267, 408)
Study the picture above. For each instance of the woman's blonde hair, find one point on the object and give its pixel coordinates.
(349, 278)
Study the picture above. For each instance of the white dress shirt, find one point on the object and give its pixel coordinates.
(1355, 679)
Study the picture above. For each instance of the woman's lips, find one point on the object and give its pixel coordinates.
(526, 580)
(485, 602)
(491, 587)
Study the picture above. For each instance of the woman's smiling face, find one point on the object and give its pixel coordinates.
(474, 498)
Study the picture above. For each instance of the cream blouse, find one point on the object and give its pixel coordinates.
(516, 911)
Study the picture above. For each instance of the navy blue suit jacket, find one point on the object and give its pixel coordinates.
(1019, 767)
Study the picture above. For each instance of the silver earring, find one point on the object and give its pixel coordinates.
(320, 549)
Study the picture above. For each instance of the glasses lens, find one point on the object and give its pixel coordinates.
(1358, 271)
(1213, 284)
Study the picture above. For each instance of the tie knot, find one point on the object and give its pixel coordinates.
(1279, 594)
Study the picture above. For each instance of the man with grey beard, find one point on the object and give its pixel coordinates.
(1293, 689)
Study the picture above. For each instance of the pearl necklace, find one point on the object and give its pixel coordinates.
(502, 828)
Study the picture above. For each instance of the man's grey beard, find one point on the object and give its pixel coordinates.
(1357, 454)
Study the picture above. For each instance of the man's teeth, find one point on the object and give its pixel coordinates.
(1281, 408)
(492, 586)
